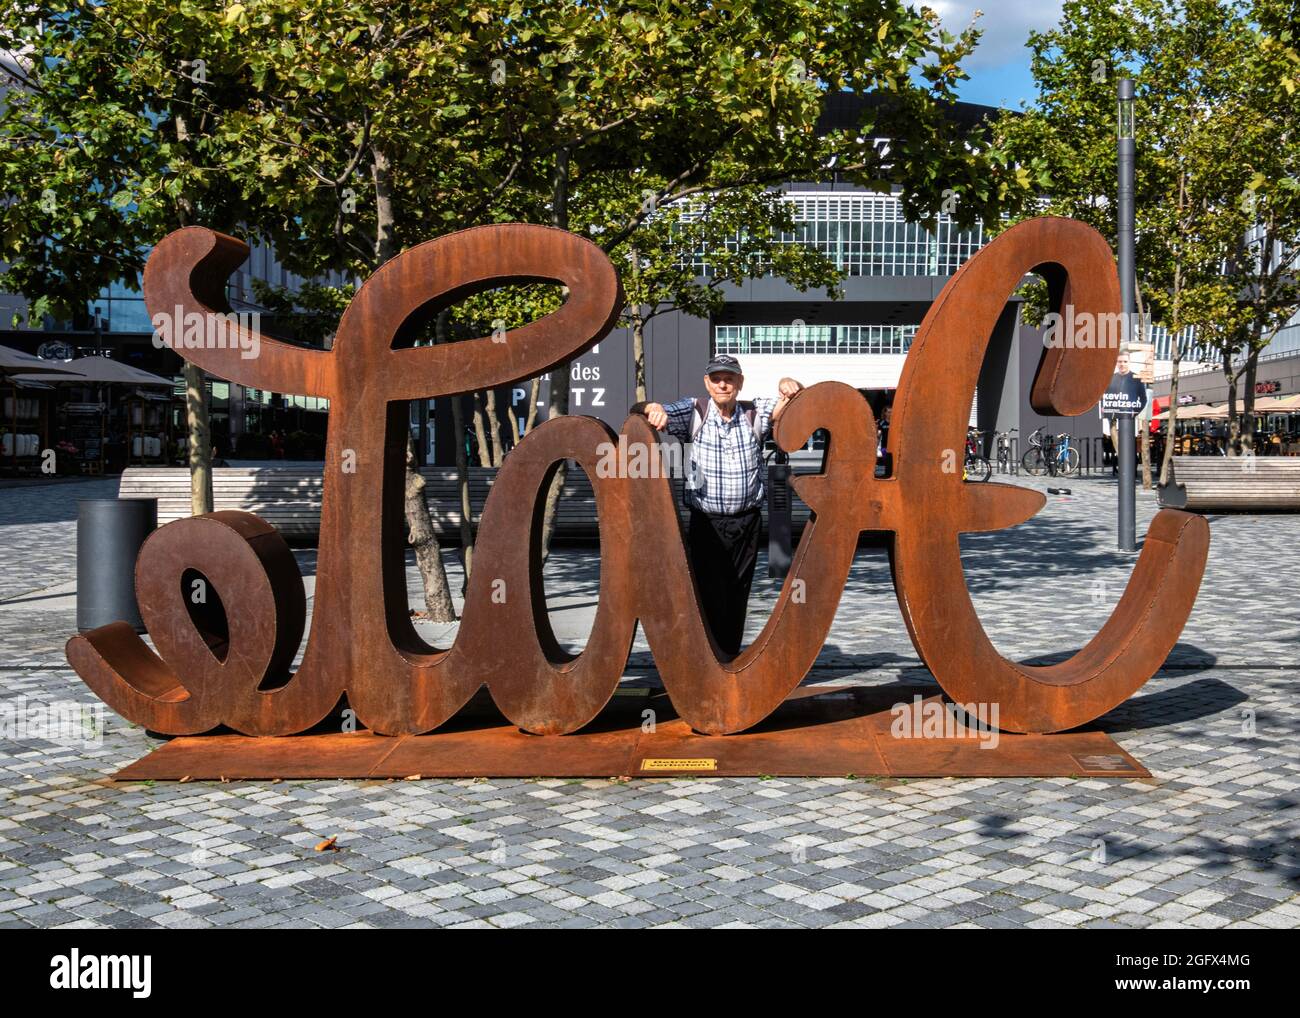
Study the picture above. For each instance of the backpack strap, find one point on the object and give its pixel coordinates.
(702, 409)
(697, 422)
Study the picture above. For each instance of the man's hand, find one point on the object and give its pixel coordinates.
(656, 415)
(787, 387)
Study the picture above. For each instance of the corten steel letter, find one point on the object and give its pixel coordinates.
(931, 409)
(362, 645)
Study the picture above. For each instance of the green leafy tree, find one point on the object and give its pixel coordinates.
(374, 129)
(679, 259)
(707, 100)
(313, 310)
(113, 132)
(1196, 121)
(407, 124)
(1265, 146)
(345, 131)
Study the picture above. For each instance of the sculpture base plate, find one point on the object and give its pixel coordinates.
(820, 731)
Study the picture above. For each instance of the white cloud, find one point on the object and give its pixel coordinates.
(1005, 24)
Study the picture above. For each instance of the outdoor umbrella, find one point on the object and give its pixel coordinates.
(1263, 405)
(1190, 412)
(14, 363)
(1278, 404)
(103, 370)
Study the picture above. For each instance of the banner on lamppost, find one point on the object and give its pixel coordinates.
(1126, 396)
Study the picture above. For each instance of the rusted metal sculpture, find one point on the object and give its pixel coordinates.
(362, 646)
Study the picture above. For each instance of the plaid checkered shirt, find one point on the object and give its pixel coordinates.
(726, 473)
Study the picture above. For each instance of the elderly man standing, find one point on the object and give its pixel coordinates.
(725, 487)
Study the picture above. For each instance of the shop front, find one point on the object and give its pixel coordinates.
(1201, 425)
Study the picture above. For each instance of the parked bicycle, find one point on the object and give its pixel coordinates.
(1050, 454)
(1005, 448)
(976, 467)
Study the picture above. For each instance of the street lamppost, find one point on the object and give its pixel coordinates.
(1124, 445)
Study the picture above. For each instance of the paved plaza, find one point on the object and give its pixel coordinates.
(1209, 841)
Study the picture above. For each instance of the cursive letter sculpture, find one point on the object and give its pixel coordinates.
(362, 646)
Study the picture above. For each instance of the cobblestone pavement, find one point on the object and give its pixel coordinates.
(1210, 841)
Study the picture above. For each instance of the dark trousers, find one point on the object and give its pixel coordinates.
(724, 550)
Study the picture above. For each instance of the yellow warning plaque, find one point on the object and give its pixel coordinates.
(669, 763)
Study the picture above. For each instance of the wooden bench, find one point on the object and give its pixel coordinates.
(1233, 484)
(289, 498)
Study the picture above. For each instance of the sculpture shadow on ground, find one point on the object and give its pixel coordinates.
(579, 565)
(1268, 853)
(1186, 702)
(1185, 657)
(53, 503)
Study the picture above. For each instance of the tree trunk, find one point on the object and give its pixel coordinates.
(1171, 422)
(1166, 461)
(196, 393)
(428, 555)
(1248, 402)
(638, 325)
(1234, 422)
(494, 427)
(462, 463)
(462, 484)
(559, 401)
(1145, 444)
(531, 418)
(381, 173)
(561, 472)
(638, 354)
(1265, 307)
(480, 432)
(200, 444)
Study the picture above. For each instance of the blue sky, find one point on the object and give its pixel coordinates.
(999, 67)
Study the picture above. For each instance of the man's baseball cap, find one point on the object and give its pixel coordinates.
(723, 362)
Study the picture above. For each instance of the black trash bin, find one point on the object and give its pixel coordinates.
(779, 546)
(110, 532)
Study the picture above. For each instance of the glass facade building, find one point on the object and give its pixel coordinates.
(867, 236)
(1163, 340)
(1286, 342)
(121, 309)
(865, 233)
(814, 339)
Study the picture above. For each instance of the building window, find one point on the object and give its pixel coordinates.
(1191, 350)
(866, 234)
(859, 339)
